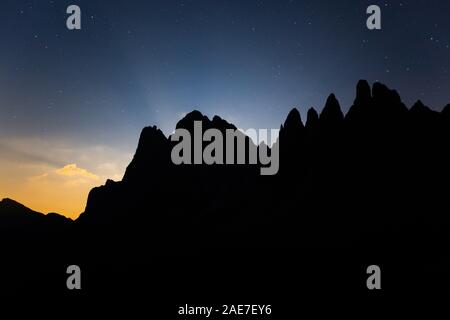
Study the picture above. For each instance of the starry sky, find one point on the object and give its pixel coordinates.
(72, 103)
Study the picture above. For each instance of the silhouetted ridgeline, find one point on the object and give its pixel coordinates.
(380, 170)
(16, 217)
(368, 187)
(377, 176)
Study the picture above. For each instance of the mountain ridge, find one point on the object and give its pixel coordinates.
(366, 104)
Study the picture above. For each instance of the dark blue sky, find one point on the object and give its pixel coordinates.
(139, 63)
(136, 63)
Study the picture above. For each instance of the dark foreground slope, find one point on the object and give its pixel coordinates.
(370, 187)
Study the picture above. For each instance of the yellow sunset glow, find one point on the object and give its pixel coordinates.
(39, 173)
(63, 190)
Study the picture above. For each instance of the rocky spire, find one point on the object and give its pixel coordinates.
(312, 118)
(331, 113)
(293, 120)
(363, 94)
(152, 154)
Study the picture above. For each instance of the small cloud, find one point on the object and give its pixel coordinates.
(72, 170)
(39, 177)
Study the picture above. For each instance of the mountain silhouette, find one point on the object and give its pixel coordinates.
(373, 180)
(337, 174)
(16, 215)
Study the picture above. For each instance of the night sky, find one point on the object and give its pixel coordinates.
(72, 103)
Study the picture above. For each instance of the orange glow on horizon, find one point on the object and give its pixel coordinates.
(56, 174)
(63, 190)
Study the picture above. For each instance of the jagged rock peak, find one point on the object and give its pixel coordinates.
(363, 93)
(383, 93)
(151, 130)
(151, 133)
(194, 114)
(312, 117)
(418, 106)
(293, 120)
(152, 151)
(332, 111)
(188, 119)
(422, 110)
